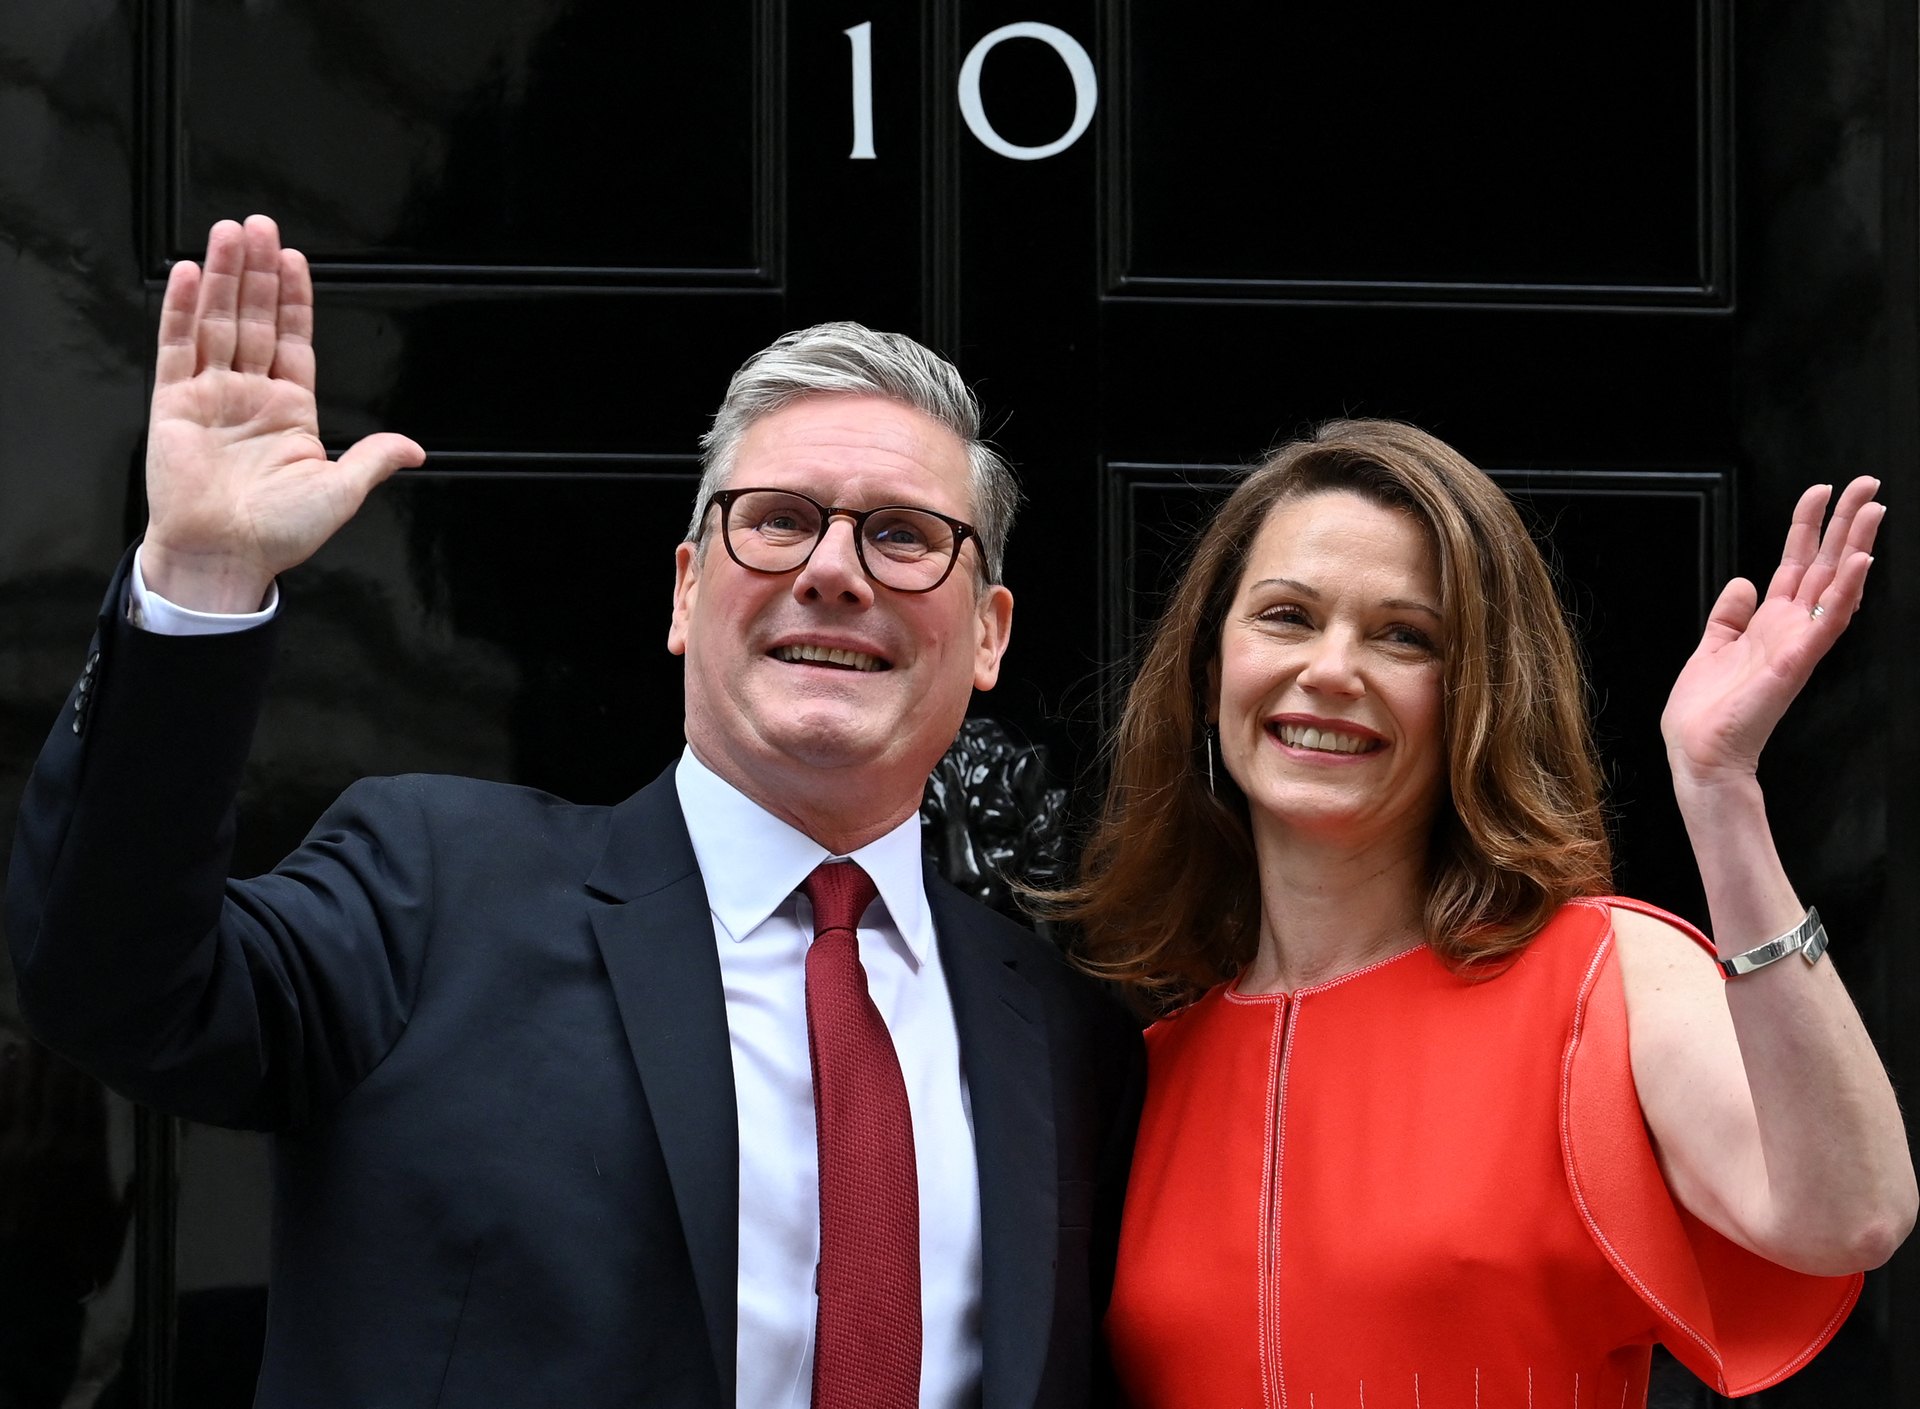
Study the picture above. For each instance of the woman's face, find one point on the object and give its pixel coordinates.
(1330, 674)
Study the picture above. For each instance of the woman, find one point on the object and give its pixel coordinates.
(1433, 1121)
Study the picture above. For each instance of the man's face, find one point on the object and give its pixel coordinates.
(797, 735)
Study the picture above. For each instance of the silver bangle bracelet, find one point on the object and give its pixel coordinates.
(1808, 939)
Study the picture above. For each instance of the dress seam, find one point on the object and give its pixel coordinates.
(1811, 1349)
(1272, 1361)
(1233, 995)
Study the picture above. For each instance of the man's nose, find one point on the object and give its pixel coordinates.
(834, 569)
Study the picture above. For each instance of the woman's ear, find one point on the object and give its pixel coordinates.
(1211, 703)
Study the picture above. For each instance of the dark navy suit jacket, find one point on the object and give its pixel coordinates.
(486, 1027)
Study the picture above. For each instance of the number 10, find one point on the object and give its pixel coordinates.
(1086, 89)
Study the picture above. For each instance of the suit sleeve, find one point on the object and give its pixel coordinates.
(1116, 1163)
(241, 1003)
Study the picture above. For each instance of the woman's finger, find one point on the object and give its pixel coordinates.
(1803, 541)
(1841, 599)
(1866, 519)
(1836, 541)
(1732, 610)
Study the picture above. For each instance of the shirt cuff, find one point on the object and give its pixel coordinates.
(149, 611)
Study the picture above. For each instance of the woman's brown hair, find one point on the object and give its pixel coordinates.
(1168, 893)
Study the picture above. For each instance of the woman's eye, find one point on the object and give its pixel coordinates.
(1284, 616)
(1410, 636)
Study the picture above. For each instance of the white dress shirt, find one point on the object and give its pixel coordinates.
(752, 865)
(149, 611)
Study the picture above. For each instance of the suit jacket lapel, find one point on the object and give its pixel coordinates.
(1003, 1050)
(657, 941)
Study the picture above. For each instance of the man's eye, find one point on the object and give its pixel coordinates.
(785, 524)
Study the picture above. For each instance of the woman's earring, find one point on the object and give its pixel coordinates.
(1207, 742)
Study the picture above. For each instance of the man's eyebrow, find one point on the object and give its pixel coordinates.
(1312, 594)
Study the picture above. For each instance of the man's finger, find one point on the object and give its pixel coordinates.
(178, 356)
(293, 352)
(219, 306)
(259, 296)
(1803, 541)
(371, 460)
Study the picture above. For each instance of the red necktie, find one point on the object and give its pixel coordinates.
(866, 1346)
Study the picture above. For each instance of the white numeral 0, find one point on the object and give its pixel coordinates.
(1086, 89)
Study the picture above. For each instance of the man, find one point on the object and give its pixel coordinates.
(543, 1077)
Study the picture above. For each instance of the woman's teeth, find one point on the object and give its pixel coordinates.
(1302, 736)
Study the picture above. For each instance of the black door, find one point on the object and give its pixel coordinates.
(1650, 263)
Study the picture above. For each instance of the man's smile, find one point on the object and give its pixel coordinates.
(836, 657)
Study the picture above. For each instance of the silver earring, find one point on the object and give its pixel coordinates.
(1207, 742)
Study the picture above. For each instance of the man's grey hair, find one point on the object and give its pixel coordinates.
(848, 358)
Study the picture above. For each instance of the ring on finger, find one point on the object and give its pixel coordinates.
(1817, 612)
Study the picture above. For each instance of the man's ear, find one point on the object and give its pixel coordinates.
(994, 618)
(686, 586)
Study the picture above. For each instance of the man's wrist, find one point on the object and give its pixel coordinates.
(153, 610)
(202, 583)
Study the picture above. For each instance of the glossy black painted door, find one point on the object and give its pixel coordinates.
(1650, 263)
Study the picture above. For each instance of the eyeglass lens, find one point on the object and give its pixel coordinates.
(903, 548)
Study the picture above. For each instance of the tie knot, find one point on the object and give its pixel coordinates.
(840, 892)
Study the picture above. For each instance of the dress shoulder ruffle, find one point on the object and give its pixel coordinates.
(1736, 1320)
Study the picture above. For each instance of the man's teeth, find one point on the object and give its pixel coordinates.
(830, 655)
(1325, 740)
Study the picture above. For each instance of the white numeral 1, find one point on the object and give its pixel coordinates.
(861, 37)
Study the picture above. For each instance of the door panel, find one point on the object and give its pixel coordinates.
(1450, 154)
(501, 141)
(1652, 266)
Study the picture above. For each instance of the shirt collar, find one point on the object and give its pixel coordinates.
(752, 862)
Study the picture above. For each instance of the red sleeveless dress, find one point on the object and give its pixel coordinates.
(1404, 1190)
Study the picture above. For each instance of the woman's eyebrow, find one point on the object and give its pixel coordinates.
(1312, 594)
(1407, 604)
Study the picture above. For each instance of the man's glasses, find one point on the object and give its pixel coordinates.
(776, 530)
